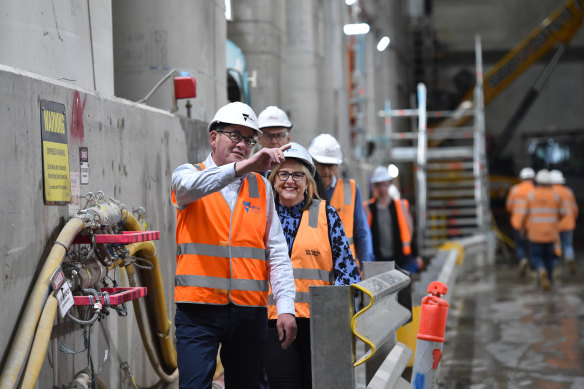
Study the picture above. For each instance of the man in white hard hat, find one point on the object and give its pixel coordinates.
(568, 223)
(542, 215)
(229, 245)
(390, 221)
(515, 205)
(343, 194)
(275, 127)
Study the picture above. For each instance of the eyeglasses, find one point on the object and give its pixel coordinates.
(296, 176)
(325, 166)
(278, 135)
(236, 137)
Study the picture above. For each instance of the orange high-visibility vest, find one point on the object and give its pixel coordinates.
(569, 207)
(542, 215)
(343, 200)
(516, 202)
(221, 257)
(312, 258)
(404, 225)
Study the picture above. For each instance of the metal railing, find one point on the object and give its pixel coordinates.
(359, 350)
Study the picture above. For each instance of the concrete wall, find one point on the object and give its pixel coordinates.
(151, 38)
(66, 40)
(133, 150)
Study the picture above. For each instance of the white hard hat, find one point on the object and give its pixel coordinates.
(380, 174)
(557, 177)
(235, 113)
(393, 171)
(394, 192)
(543, 177)
(273, 116)
(298, 152)
(526, 173)
(325, 149)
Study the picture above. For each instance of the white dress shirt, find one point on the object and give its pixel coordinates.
(190, 185)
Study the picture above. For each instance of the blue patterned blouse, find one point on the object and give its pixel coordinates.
(344, 267)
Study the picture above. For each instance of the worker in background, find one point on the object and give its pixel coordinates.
(543, 214)
(229, 244)
(343, 194)
(391, 224)
(275, 127)
(568, 223)
(515, 206)
(310, 226)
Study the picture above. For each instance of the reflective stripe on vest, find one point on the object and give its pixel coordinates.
(221, 254)
(312, 258)
(517, 201)
(343, 199)
(542, 214)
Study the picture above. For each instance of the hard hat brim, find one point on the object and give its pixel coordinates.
(327, 160)
(217, 122)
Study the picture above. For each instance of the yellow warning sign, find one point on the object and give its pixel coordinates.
(57, 179)
(56, 168)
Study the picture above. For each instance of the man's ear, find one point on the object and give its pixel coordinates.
(213, 138)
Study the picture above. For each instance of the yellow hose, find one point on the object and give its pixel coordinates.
(147, 251)
(146, 333)
(34, 305)
(155, 293)
(40, 344)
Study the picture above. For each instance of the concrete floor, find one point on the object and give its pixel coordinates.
(505, 332)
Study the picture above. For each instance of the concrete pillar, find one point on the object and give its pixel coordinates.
(153, 37)
(304, 51)
(258, 28)
(334, 103)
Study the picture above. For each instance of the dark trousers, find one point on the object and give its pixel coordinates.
(542, 256)
(290, 368)
(200, 328)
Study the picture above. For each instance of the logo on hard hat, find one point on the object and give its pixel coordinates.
(246, 117)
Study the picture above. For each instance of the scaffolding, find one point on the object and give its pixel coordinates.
(450, 166)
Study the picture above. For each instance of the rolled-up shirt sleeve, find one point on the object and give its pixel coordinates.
(279, 265)
(190, 184)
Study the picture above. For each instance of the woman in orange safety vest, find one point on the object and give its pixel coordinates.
(320, 255)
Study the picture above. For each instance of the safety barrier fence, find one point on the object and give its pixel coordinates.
(372, 347)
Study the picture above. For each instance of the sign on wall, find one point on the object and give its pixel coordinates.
(56, 178)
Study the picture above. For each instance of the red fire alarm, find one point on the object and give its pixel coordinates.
(185, 87)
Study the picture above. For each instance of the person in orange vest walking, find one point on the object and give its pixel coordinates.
(229, 245)
(320, 255)
(390, 221)
(515, 206)
(343, 194)
(568, 223)
(543, 213)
